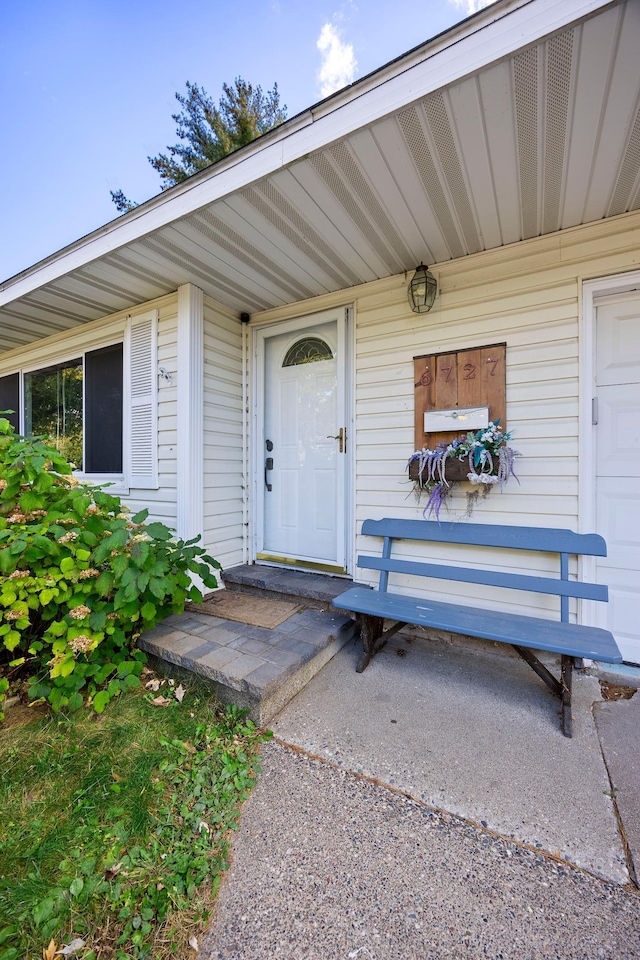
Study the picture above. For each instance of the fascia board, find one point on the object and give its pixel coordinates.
(462, 51)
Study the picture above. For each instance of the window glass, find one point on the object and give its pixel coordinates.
(10, 398)
(53, 408)
(90, 437)
(308, 350)
(103, 410)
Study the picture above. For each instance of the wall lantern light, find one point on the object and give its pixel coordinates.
(422, 290)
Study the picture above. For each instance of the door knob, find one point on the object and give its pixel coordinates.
(341, 436)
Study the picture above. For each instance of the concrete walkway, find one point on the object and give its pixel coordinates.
(429, 808)
(618, 725)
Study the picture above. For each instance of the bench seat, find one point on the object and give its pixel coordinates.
(572, 639)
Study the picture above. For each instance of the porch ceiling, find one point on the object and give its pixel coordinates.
(529, 143)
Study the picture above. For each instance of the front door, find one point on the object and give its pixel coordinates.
(618, 465)
(302, 446)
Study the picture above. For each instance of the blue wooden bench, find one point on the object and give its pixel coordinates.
(524, 633)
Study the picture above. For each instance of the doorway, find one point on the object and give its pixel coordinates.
(302, 443)
(617, 457)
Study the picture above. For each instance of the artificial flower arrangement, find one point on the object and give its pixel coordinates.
(489, 457)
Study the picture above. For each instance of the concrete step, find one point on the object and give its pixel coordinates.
(257, 668)
(315, 590)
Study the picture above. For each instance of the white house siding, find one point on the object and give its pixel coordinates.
(161, 502)
(527, 294)
(223, 435)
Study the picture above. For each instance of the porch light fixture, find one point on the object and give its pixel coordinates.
(422, 290)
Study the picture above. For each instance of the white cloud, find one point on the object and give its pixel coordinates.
(338, 65)
(472, 6)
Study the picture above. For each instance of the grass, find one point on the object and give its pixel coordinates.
(115, 828)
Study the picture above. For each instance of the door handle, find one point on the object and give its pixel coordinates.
(341, 436)
(268, 465)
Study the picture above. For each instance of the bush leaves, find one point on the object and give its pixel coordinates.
(80, 580)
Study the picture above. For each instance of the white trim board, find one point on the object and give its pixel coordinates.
(190, 412)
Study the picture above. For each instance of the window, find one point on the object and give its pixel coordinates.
(99, 408)
(53, 408)
(308, 350)
(77, 405)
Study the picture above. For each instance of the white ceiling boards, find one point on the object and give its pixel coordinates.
(521, 121)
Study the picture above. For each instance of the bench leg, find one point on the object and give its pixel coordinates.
(540, 669)
(561, 688)
(567, 676)
(370, 630)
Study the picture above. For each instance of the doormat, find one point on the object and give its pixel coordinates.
(245, 608)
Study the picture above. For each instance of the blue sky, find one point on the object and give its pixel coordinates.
(87, 89)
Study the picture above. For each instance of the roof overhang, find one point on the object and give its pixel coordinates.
(520, 121)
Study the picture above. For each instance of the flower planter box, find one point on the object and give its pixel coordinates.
(448, 464)
(454, 469)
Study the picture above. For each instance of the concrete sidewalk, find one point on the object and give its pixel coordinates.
(327, 866)
(471, 730)
(415, 810)
(618, 725)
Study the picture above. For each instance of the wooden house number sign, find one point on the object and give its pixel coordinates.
(466, 381)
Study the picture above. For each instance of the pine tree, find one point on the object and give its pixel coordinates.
(208, 132)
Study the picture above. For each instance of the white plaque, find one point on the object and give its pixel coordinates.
(466, 418)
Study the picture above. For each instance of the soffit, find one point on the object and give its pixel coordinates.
(543, 140)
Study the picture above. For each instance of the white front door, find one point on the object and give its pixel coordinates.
(618, 465)
(302, 443)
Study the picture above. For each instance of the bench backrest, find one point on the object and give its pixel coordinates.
(538, 539)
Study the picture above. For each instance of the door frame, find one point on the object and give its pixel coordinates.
(259, 334)
(592, 292)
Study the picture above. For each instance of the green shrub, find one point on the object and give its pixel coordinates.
(81, 579)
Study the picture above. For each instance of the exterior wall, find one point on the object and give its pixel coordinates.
(161, 502)
(527, 294)
(223, 435)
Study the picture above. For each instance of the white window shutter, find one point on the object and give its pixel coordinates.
(142, 378)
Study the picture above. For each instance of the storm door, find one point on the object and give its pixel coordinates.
(302, 443)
